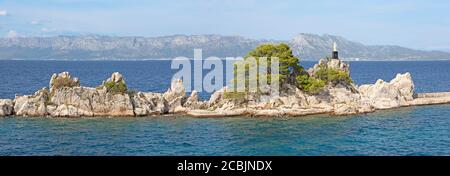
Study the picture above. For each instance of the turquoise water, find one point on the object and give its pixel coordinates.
(406, 131)
(421, 130)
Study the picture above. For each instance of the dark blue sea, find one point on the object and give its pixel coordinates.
(423, 130)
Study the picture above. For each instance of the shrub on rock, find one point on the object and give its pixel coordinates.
(115, 84)
(114, 87)
(333, 75)
(63, 79)
(310, 84)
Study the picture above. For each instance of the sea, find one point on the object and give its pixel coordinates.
(412, 131)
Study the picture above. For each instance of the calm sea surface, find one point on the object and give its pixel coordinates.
(407, 131)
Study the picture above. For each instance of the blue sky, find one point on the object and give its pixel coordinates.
(418, 24)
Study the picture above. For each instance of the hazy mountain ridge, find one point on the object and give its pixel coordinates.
(315, 46)
(92, 47)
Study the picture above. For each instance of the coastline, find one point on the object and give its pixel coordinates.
(79, 101)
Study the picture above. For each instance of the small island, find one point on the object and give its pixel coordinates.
(326, 88)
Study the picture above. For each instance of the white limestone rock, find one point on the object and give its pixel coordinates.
(32, 105)
(149, 104)
(175, 96)
(6, 107)
(86, 101)
(71, 102)
(346, 102)
(116, 77)
(111, 104)
(386, 95)
(193, 102)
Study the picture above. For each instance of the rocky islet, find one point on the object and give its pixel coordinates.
(65, 97)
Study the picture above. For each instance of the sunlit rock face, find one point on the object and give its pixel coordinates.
(385, 95)
(66, 98)
(6, 107)
(32, 105)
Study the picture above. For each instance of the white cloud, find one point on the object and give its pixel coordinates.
(44, 30)
(3, 13)
(35, 22)
(39, 22)
(11, 34)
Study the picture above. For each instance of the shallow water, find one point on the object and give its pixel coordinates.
(406, 131)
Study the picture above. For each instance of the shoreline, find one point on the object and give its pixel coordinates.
(169, 59)
(183, 115)
(73, 100)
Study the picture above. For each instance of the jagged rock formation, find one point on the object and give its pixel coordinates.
(385, 95)
(6, 107)
(337, 99)
(66, 98)
(32, 105)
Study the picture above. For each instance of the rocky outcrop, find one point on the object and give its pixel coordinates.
(386, 95)
(6, 107)
(71, 102)
(329, 63)
(346, 102)
(66, 98)
(116, 77)
(192, 102)
(32, 105)
(63, 79)
(337, 99)
(80, 101)
(175, 97)
(149, 104)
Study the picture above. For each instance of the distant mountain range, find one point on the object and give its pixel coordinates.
(95, 47)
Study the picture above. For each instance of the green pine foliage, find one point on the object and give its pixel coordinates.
(290, 71)
(288, 62)
(331, 75)
(310, 84)
(116, 88)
